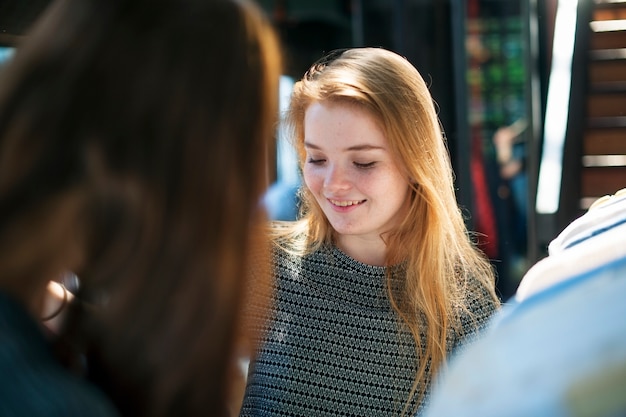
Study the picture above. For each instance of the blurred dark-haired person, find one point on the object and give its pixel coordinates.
(133, 140)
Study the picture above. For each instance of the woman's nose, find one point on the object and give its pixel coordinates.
(336, 179)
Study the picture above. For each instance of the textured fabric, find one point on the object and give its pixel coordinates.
(334, 346)
(32, 383)
(605, 214)
(587, 243)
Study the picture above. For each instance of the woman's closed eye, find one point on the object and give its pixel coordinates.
(364, 165)
(315, 161)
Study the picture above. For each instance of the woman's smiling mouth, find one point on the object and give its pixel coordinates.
(345, 203)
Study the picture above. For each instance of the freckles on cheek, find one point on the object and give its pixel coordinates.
(310, 180)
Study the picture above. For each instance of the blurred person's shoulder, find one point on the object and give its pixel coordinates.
(32, 382)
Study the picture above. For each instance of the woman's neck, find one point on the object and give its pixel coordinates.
(365, 250)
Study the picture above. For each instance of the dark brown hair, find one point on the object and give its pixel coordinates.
(133, 141)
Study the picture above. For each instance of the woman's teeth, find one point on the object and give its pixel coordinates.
(346, 203)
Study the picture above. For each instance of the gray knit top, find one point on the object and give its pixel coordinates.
(334, 346)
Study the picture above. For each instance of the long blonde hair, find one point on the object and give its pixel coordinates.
(432, 238)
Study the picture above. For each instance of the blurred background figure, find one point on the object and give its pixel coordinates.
(133, 145)
(510, 153)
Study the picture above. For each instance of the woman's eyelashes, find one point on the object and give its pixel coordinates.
(315, 161)
(364, 165)
(358, 164)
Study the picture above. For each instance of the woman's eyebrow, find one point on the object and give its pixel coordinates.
(364, 147)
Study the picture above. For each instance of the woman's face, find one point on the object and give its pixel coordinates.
(351, 171)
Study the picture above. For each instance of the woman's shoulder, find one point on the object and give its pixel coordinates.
(477, 303)
(480, 294)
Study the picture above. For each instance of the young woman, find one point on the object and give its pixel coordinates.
(379, 280)
(132, 144)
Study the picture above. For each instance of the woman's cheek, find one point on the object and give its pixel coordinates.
(312, 179)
